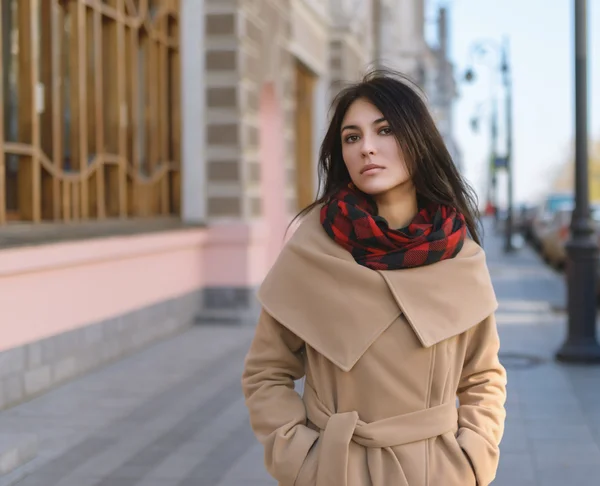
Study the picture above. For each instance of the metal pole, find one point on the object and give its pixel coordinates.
(377, 20)
(494, 192)
(508, 245)
(582, 248)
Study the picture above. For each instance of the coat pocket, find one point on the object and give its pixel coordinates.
(307, 475)
(464, 460)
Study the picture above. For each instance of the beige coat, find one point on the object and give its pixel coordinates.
(385, 355)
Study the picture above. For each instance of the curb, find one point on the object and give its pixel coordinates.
(16, 450)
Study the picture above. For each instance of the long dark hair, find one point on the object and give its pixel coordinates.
(433, 172)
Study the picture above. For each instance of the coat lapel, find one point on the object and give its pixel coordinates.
(317, 290)
(446, 298)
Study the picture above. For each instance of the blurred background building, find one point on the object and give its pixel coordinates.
(400, 43)
(153, 152)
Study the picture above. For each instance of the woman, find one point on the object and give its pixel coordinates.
(384, 304)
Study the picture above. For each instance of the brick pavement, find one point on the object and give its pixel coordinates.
(173, 414)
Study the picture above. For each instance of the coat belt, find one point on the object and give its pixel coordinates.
(339, 429)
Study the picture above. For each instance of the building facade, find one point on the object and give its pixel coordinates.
(401, 45)
(442, 85)
(401, 41)
(153, 153)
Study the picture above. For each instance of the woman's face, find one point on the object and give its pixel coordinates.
(371, 151)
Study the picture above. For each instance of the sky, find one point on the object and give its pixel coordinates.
(540, 34)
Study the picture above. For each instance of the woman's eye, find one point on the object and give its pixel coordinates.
(351, 138)
(385, 131)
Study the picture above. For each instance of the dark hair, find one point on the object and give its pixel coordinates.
(434, 173)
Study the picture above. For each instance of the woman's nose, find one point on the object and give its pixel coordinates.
(368, 147)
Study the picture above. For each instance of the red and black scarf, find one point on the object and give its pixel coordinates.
(436, 233)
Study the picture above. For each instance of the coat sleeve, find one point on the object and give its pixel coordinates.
(277, 412)
(482, 395)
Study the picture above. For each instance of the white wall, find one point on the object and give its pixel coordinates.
(193, 110)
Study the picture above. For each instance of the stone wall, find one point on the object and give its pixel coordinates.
(29, 370)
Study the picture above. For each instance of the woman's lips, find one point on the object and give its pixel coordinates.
(371, 169)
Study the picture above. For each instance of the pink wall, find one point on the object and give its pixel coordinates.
(234, 254)
(49, 289)
(272, 171)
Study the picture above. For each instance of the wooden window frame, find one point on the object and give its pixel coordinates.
(101, 178)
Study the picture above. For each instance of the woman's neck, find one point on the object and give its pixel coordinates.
(398, 206)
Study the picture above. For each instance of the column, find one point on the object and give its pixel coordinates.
(193, 111)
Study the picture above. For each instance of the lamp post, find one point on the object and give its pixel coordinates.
(481, 48)
(508, 235)
(494, 156)
(491, 167)
(581, 344)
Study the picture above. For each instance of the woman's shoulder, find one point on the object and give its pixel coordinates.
(471, 248)
(307, 241)
(305, 228)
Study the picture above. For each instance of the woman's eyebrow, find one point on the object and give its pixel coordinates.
(355, 127)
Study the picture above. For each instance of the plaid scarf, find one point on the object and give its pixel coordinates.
(436, 233)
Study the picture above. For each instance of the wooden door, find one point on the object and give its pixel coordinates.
(305, 163)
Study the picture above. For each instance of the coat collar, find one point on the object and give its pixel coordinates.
(317, 290)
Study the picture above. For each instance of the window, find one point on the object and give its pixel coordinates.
(90, 97)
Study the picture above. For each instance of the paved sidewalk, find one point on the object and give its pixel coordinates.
(174, 415)
(553, 425)
(170, 415)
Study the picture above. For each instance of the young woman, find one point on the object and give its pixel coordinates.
(382, 300)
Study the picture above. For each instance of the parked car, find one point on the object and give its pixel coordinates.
(554, 237)
(524, 219)
(557, 233)
(545, 214)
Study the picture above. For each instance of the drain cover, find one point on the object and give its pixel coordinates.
(520, 361)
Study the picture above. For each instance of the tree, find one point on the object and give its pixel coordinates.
(565, 179)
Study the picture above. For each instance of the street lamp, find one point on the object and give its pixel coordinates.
(581, 344)
(481, 49)
(491, 168)
(508, 245)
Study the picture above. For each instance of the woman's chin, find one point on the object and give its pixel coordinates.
(375, 188)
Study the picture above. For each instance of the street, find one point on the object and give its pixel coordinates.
(173, 414)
